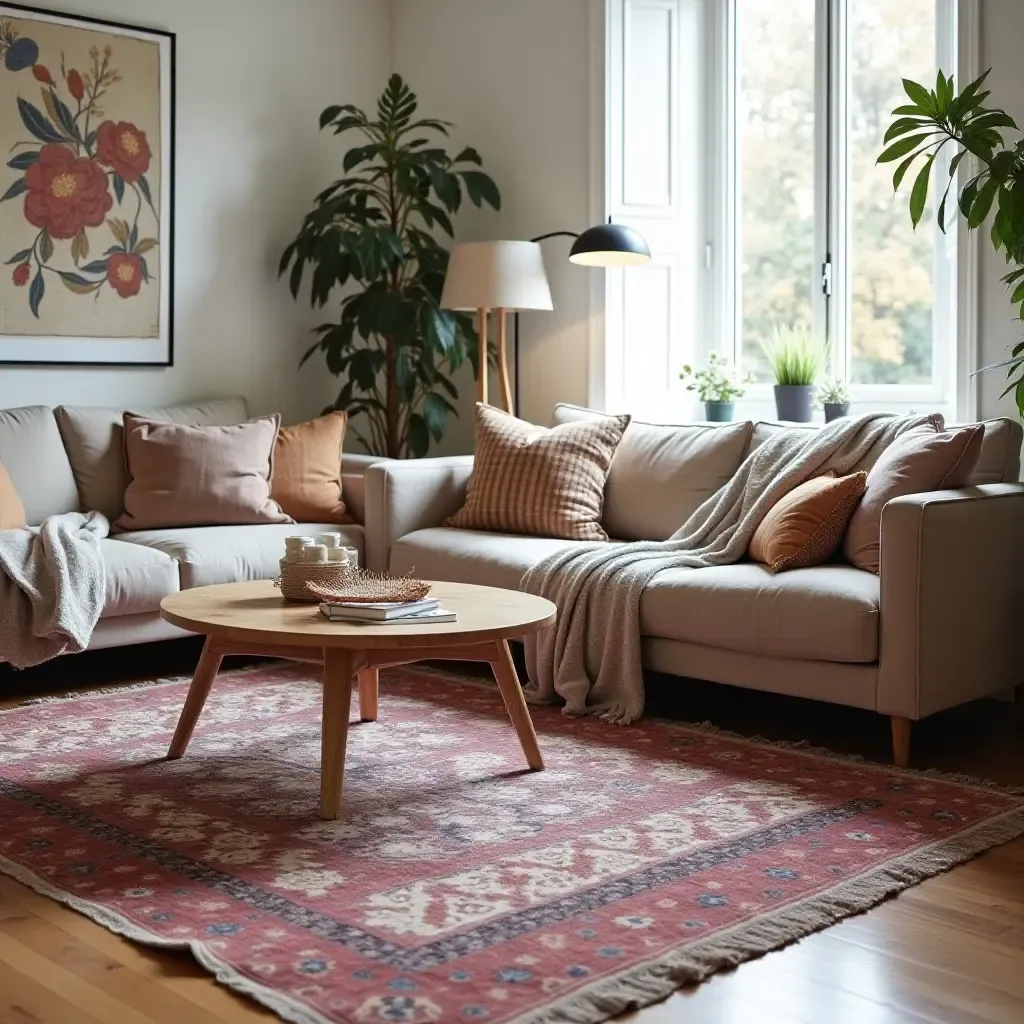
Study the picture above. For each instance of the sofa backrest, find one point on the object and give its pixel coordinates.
(94, 440)
(661, 473)
(32, 453)
(1000, 448)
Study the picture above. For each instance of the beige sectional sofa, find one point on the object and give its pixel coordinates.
(71, 458)
(936, 628)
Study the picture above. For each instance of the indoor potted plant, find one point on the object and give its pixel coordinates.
(717, 385)
(834, 397)
(796, 359)
(374, 242)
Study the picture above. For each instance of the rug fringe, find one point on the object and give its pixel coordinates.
(285, 1008)
(658, 979)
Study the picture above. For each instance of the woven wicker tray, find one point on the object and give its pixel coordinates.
(312, 581)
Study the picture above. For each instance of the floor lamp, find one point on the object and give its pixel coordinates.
(509, 277)
(498, 277)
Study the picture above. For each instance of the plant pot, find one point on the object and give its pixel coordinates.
(718, 412)
(836, 410)
(794, 402)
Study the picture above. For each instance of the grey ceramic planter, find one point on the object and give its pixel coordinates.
(718, 412)
(835, 410)
(794, 402)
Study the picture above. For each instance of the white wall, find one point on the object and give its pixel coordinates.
(253, 76)
(514, 75)
(1002, 29)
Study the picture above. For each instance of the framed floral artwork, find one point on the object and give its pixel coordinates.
(86, 190)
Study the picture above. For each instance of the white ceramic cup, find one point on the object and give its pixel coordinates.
(339, 555)
(353, 556)
(329, 540)
(315, 553)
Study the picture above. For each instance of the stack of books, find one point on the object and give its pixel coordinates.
(387, 613)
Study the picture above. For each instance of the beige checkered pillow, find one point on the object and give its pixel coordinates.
(546, 482)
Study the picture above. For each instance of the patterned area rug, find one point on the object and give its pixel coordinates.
(457, 887)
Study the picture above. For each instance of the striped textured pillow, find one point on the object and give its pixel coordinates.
(536, 480)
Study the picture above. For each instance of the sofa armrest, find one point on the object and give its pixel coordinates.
(353, 481)
(405, 496)
(952, 589)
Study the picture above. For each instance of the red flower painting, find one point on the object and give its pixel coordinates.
(124, 148)
(125, 274)
(75, 168)
(66, 193)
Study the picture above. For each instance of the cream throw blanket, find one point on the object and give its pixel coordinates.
(52, 587)
(591, 657)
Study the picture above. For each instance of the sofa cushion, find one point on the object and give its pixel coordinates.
(662, 473)
(827, 613)
(916, 462)
(472, 556)
(184, 476)
(12, 508)
(32, 453)
(545, 482)
(137, 578)
(94, 439)
(228, 554)
(307, 481)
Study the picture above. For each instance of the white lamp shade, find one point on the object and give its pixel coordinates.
(496, 275)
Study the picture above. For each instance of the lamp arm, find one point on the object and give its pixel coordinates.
(556, 234)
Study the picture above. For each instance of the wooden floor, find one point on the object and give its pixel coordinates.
(948, 950)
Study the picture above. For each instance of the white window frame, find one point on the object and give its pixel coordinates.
(952, 392)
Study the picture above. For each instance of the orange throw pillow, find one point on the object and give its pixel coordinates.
(307, 470)
(806, 526)
(12, 511)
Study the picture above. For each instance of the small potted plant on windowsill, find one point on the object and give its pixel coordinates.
(717, 386)
(796, 359)
(834, 397)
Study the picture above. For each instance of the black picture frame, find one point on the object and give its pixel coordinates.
(167, 40)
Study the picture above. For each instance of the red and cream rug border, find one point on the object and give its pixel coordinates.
(657, 979)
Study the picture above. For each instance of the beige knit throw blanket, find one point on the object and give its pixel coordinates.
(591, 656)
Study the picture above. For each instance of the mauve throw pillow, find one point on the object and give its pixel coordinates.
(917, 462)
(198, 476)
(307, 470)
(805, 527)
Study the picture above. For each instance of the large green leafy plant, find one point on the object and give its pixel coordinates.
(373, 230)
(923, 128)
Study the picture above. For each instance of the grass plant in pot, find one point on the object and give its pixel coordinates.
(796, 360)
(834, 397)
(717, 385)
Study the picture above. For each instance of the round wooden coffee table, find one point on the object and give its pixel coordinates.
(253, 618)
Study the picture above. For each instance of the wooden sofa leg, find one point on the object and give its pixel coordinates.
(901, 741)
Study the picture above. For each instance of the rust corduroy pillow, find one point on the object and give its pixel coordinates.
(198, 476)
(806, 526)
(307, 470)
(918, 461)
(546, 482)
(12, 510)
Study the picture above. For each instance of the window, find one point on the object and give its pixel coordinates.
(741, 140)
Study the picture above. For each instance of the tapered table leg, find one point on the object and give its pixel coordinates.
(338, 671)
(202, 681)
(368, 689)
(515, 703)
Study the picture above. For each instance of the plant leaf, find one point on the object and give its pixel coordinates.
(903, 125)
(45, 246)
(19, 257)
(16, 189)
(901, 147)
(36, 292)
(919, 193)
(982, 203)
(23, 161)
(119, 188)
(920, 95)
(37, 123)
(481, 189)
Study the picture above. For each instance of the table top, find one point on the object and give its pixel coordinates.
(256, 611)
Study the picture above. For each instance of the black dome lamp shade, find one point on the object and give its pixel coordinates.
(610, 245)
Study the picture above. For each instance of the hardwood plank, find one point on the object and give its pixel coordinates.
(24, 1000)
(97, 968)
(66, 985)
